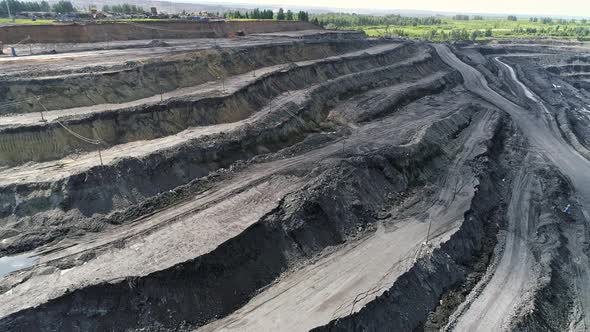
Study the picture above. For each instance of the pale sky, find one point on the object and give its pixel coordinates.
(533, 7)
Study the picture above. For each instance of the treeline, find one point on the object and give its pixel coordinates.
(456, 35)
(123, 9)
(557, 31)
(461, 17)
(342, 20)
(23, 6)
(478, 18)
(17, 7)
(442, 35)
(265, 14)
(268, 14)
(561, 21)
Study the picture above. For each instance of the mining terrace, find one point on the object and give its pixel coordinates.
(251, 176)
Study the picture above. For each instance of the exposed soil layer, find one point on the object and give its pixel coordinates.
(153, 72)
(327, 182)
(84, 194)
(241, 99)
(95, 32)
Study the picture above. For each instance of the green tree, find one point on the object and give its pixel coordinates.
(17, 7)
(126, 9)
(64, 7)
(356, 20)
(44, 6)
(281, 15)
(461, 17)
(290, 15)
(303, 16)
(257, 14)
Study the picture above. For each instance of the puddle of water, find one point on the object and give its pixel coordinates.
(13, 263)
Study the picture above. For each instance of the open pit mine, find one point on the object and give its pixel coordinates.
(252, 176)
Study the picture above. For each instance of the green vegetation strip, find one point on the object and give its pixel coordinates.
(458, 27)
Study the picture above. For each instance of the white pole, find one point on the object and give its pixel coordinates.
(42, 118)
(100, 155)
(9, 15)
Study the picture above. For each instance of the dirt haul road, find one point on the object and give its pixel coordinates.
(491, 310)
(327, 183)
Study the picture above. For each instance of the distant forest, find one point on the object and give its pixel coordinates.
(123, 9)
(268, 14)
(457, 27)
(343, 20)
(32, 6)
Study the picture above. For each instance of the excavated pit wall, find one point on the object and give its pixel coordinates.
(406, 305)
(140, 80)
(568, 69)
(75, 200)
(192, 293)
(569, 106)
(100, 32)
(51, 141)
(555, 305)
(552, 301)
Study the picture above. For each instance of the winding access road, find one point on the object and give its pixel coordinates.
(543, 135)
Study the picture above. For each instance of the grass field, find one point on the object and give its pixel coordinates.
(496, 28)
(25, 21)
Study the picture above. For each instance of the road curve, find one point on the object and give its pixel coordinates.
(544, 137)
